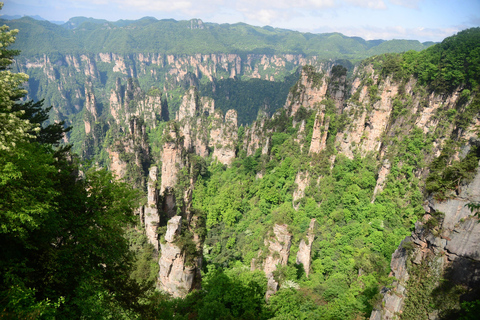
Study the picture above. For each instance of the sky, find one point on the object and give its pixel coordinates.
(423, 20)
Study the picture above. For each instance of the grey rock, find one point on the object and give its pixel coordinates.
(465, 240)
(174, 228)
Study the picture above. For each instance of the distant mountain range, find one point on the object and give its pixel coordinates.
(88, 35)
(36, 17)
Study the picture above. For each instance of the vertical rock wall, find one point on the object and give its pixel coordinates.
(151, 215)
(278, 252)
(304, 254)
(453, 247)
(176, 276)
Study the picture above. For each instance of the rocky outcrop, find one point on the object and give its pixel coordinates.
(163, 69)
(302, 180)
(255, 137)
(451, 244)
(172, 162)
(195, 116)
(132, 148)
(176, 276)
(382, 176)
(151, 215)
(278, 246)
(393, 300)
(223, 138)
(117, 166)
(366, 127)
(320, 132)
(129, 101)
(308, 92)
(305, 248)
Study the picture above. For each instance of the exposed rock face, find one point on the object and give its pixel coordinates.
(254, 137)
(190, 105)
(279, 250)
(117, 166)
(302, 180)
(367, 127)
(456, 245)
(129, 101)
(175, 276)
(171, 160)
(465, 240)
(393, 301)
(320, 132)
(151, 216)
(195, 116)
(305, 248)
(151, 67)
(223, 138)
(133, 145)
(382, 175)
(308, 93)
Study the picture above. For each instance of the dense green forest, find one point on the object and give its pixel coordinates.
(72, 246)
(85, 35)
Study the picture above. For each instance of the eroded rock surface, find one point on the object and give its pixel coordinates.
(176, 276)
(304, 254)
(151, 215)
(279, 250)
(453, 248)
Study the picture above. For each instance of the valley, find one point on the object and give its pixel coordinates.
(276, 181)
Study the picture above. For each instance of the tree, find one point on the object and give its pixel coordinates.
(63, 253)
(13, 129)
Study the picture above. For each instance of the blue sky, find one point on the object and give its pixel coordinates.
(422, 20)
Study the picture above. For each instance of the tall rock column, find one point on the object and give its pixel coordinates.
(171, 162)
(305, 248)
(177, 275)
(223, 138)
(279, 250)
(319, 134)
(451, 248)
(151, 216)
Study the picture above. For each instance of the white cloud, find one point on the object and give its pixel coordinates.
(372, 4)
(396, 32)
(407, 3)
(364, 18)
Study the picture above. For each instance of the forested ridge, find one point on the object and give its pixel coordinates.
(147, 35)
(75, 241)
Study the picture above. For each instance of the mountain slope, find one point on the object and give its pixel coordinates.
(149, 35)
(335, 179)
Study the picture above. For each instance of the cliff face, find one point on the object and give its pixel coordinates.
(176, 276)
(371, 115)
(277, 246)
(204, 129)
(197, 130)
(127, 101)
(450, 246)
(304, 254)
(151, 217)
(66, 76)
(133, 148)
(330, 117)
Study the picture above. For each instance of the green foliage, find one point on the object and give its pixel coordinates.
(13, 128)
(177, 37)
(249, 96)
(233, 294)
(314, 77)
(63, 253)
(447, 65)
(445, 176)
(470, 310)
(356, 237)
